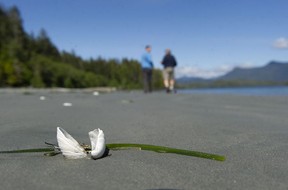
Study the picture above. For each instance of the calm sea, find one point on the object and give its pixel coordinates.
(250, 91)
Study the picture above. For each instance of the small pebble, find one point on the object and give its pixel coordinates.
(67, 104)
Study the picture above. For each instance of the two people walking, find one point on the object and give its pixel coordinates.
(168, 62)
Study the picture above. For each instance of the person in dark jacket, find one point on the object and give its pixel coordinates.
(169, 63)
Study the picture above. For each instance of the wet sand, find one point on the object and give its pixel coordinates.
(251, 131)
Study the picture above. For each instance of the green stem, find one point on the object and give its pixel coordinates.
(28, 150)
(159, 149)
(163, 149)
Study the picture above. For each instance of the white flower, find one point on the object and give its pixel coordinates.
(98, 146)
(69, 147)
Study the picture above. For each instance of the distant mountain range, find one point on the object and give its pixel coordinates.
(273, 73)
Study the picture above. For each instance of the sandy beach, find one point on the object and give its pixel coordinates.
(251, 131)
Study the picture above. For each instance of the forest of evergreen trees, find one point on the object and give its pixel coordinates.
(34, 61)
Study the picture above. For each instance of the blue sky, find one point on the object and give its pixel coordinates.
(207, 37)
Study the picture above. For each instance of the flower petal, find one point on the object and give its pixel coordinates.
(98, 145)
(69, 147)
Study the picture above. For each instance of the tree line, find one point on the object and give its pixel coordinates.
(27, 60)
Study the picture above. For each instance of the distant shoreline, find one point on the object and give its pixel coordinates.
(57, 90)
(251, 91)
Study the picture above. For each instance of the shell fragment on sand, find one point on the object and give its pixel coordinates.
(67, 104)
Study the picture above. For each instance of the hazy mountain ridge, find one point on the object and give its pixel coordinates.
(272, 73)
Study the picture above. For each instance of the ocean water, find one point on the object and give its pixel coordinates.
(249, 91)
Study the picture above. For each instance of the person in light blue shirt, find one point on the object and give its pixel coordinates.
(147, 69)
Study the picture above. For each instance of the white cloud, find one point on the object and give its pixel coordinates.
(281, 43)
(194, 71)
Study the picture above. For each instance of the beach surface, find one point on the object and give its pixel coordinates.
(251, 131)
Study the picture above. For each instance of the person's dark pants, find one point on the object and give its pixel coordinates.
(147, 80)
